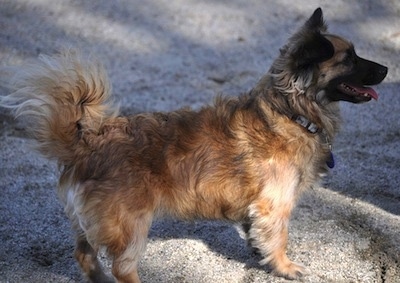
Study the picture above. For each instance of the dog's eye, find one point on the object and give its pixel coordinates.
(350, 58)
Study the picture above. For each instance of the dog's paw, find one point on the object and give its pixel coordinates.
(291, 270)
(101, 278)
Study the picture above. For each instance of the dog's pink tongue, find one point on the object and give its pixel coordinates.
(369, 90)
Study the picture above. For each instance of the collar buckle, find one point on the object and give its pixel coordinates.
(305, 123)
(313, 129)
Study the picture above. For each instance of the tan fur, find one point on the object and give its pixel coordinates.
(242, 159)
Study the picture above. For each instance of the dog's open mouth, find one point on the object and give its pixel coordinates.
(361, 92)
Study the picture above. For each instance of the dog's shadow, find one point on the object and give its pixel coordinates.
(221, 237)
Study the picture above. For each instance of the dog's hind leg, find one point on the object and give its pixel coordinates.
(127, 248)
(86, 256)
(85, 253)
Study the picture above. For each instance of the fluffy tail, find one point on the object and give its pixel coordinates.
(60, 96)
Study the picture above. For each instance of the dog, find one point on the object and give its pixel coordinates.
(244, 159)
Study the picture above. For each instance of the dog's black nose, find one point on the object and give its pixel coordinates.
(383, 71)
(374, 73)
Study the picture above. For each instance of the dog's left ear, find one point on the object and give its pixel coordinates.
(316, 21)
(311, 46)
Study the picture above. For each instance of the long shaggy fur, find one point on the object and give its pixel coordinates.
(60, 95)
(243, 159)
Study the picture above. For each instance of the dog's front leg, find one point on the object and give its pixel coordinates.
(269, 218)
(269, 235)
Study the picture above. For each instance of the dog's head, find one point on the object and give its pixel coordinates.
(324, 67)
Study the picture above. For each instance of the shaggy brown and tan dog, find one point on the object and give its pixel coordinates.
(244, 159)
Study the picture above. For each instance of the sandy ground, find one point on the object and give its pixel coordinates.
(163, 54)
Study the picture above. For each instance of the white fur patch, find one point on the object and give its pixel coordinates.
(73, 207)
(128, 261)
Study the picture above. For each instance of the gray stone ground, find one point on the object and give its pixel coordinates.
(163, 54)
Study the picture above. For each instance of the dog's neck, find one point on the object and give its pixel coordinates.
(306, 124)
(279, 103)
(312, 128)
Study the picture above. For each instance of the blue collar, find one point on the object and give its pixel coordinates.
(305, 123)
(313, 129)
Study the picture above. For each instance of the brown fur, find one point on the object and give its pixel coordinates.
(242, 159)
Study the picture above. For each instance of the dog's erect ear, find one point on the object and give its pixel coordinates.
(313, 50)
(316, 21)
(310, 46)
